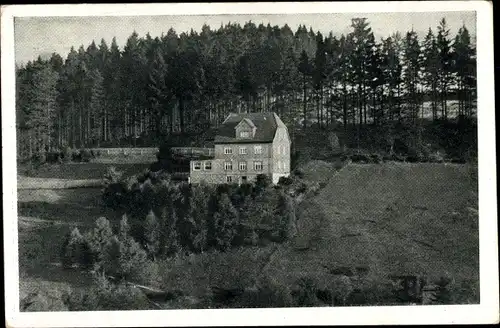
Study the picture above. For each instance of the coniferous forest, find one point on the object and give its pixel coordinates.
(102, 95)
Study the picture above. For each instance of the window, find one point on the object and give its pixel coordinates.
(279, 165)
(257, 165)
(257, 150)
(208, 166)
(243, 166)
(244, 134)
(196, 166)
(243, 150)
(228, 150)
(229, 179)
(228, 166)
(244, 179)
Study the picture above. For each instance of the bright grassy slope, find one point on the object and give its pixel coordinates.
(395, 218)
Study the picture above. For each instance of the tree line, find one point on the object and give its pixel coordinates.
(188, 82)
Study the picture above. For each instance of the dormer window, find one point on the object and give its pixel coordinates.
(245, 129)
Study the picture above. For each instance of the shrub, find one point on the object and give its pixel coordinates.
(39, 159)
(112, 175)
(267, 293)
(106, 296)
(86, 155)
(226, 222)
(298, 173)
(285, 181)
(262, 181)
(372, 291)
(436, 157)
(304, 292)
(53, 157)
(76, 250)
(376, 158)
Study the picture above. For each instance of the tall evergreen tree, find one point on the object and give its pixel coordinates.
(444, 64)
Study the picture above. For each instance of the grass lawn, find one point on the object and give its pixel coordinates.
(394, 219)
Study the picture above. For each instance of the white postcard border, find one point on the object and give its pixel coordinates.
(486, 312)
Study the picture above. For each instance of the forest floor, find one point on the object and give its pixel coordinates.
(391, 218)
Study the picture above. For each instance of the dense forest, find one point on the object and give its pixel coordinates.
(186, 83)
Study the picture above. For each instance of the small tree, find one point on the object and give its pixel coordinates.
(70, 248)
(284, 223)
(152, 234)
(226, 223)
(170, 237)
(124, 258)
(99, 238)
(199, 216)
(249, 222)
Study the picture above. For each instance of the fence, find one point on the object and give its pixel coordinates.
(193, 151)
(126, 151)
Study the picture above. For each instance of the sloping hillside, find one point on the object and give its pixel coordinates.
(389, 219)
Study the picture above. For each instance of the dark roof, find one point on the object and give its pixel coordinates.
(265, 124)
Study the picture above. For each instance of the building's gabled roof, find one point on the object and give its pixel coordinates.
(265, 124)
(247, 121)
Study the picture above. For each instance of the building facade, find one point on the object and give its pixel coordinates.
(245, 146)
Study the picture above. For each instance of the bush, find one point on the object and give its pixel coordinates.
(86, 155)
(53, 157)
(267, 293)
(106, 296)
(76, 250)
(437, 157)
(376, 158)
(285, 181)
(39, 159)
(305, 291)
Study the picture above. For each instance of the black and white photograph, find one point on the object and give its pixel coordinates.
(249, 164)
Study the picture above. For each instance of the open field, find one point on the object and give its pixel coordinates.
(391, 219)
(44, 219)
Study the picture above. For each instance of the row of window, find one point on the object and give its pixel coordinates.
(243, 150)
(228, 166)
(242, 166)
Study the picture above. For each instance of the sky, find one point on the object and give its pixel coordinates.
(43, 35)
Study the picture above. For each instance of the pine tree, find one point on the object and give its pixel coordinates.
(411, 73)
(305, 69)
(444, 64)
(40, 106)
(97, 106)
(464, 68)
(319, 75)
(152, 234)
(158, 91)
(99, 239)
(226, 223)
(430, 74)
(199, 215)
